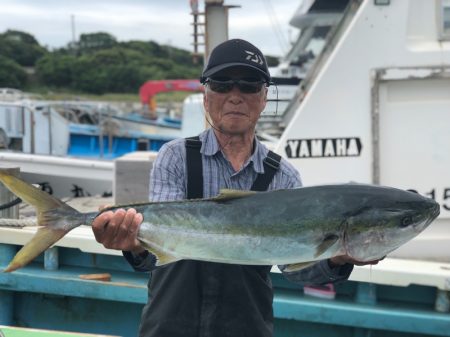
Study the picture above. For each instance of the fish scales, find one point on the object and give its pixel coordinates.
(291, 226)
(236, 230)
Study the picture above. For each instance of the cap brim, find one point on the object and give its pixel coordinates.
(220, 67)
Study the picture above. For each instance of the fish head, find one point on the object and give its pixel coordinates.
(386, 221)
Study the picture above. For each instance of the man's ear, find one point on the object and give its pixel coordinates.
(205, 105)
(205, 100)
(264, 100)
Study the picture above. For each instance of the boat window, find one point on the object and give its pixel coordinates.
(444, 20)
(318, 39)
(311, 46)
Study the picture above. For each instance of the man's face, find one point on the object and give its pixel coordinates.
(235, 112)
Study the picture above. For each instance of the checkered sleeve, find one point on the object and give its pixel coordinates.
(167, 179)
(167, 182)
(318, 273)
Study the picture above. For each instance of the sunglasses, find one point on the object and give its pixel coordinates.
(249, 86)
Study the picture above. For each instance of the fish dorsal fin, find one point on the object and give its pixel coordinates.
(327, 242)
(297, 266)
(226, 194)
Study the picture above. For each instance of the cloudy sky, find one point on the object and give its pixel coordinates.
(264, 22)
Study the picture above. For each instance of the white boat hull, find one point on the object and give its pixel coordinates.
(65, 177)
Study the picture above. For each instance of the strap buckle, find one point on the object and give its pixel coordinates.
(193, 143)
(271, 162)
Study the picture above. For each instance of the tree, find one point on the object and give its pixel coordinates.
(100, 63)
(16, 35)
(124, 78)
(95, 41)
(116, 56)
(179, 56)
(56, 69)
(21, 47)
(12, 74)
(88, 77)
(147, 48)
(110, 70)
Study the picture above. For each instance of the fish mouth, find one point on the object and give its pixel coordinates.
(436, 210)
(433, 213)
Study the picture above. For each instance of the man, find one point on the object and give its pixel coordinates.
(192, 298)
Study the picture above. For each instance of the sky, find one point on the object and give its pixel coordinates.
(265, 23)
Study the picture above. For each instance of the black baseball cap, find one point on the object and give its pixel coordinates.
(232, 53)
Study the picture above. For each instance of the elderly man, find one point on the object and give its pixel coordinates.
(193, 298)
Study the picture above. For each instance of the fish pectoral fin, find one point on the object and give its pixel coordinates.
(226, 194)
(289, 268)
(326, 243)
(162, 257)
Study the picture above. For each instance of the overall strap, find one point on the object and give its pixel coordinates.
(194, 168)
(271, 165)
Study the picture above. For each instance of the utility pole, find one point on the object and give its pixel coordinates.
(197, 33)
(215, 25)
(72, 19)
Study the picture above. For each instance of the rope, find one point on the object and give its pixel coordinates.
(282, 40)
(10, 204)
(20, 223)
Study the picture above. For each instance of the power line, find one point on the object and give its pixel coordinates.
(282, 39)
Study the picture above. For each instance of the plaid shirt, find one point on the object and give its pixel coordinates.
(193, 298)
(168, 182)
(168, 179)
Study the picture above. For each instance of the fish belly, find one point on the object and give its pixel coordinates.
(234, 248)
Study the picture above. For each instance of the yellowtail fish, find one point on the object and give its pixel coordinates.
(284, 227)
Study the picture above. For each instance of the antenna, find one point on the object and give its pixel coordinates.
(72, 19)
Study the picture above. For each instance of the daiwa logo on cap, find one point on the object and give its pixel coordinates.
(235, 53)
(254, 57)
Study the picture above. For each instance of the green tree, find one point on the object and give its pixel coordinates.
(56, 69)
(117, 55)
(12, 74)
(87, 77)
(95, 41)
(21, 47)
(110, 70)
(147, 48)
(124, 78)
(179, 56)
(151, 73)
(19, 36)
(99, 64)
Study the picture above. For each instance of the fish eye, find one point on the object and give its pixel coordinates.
(406, 221)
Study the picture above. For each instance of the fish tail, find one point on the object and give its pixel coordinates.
(54, 218)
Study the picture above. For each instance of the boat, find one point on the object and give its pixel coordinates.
(314, 21)
(69, 147)
(366, 116)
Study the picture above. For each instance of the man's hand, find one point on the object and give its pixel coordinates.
(118, 230)
(343, 259)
